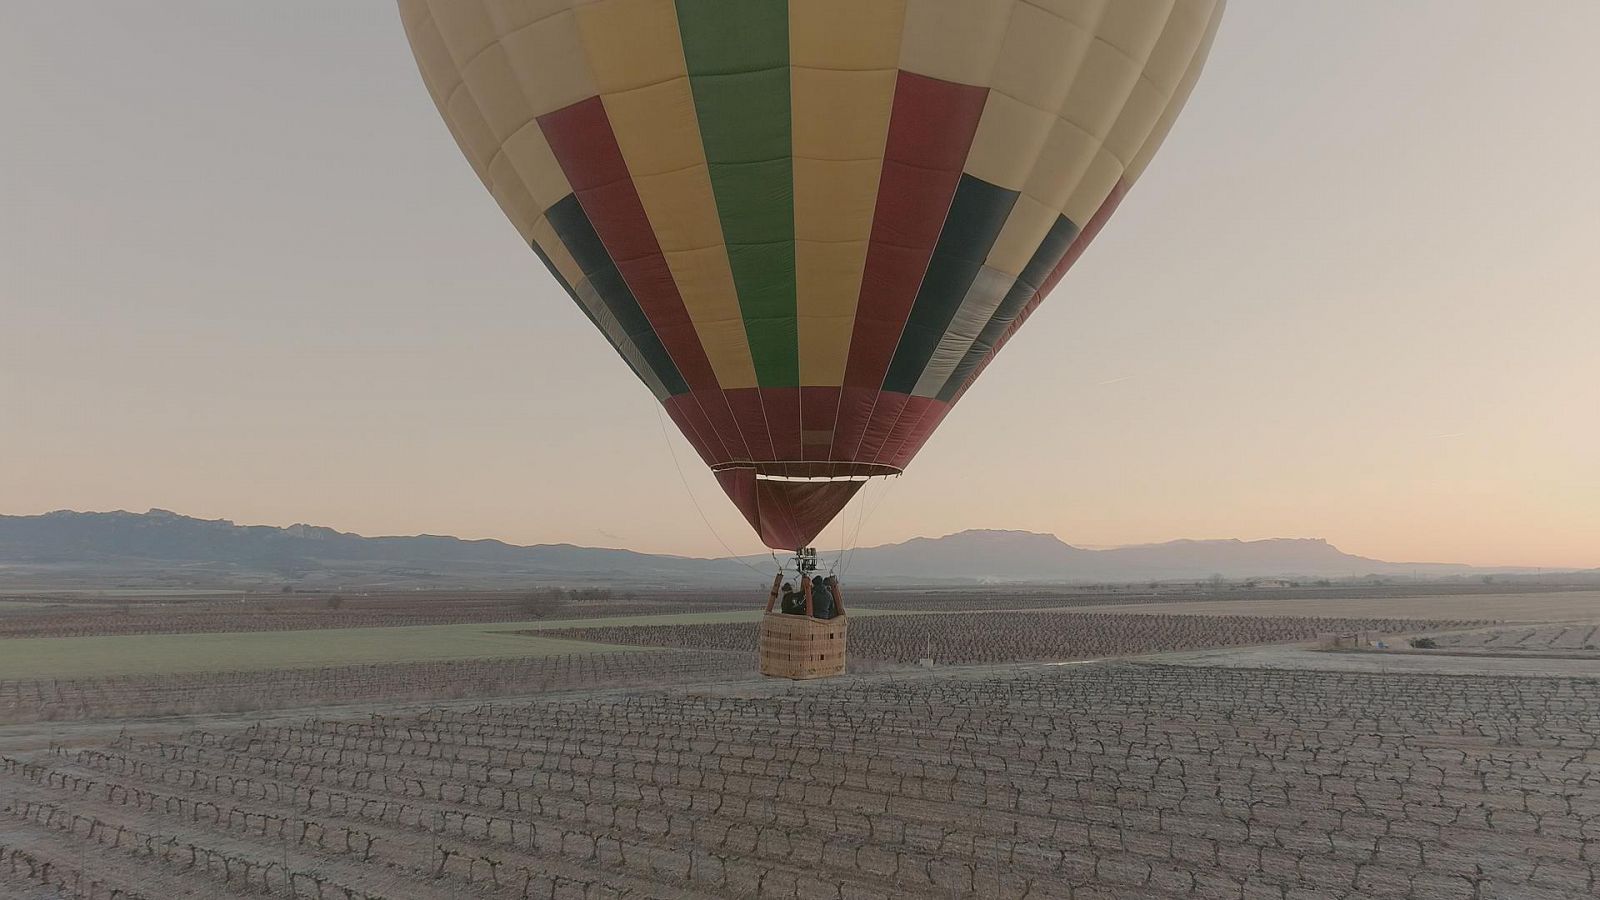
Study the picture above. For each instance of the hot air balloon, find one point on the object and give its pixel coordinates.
(808, 225)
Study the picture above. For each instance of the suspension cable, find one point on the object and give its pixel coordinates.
(662, 422)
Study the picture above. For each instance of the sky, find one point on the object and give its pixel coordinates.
(246, 274)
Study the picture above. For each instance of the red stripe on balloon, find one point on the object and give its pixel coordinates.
(819, 410)
(917, 433)
(930, 134)
(749, 413)
(910, 415)
(724, 424)
(783, 422)
(885, 412)
(584, 145)
(687, 425)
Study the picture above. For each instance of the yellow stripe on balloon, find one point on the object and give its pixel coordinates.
(844, 56)
(634, 53)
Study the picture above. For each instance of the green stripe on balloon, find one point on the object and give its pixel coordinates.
(737, 52)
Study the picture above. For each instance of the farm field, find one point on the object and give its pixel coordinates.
(969, 638)
(175, 663)
(1511, 607)
(100, 655)
(1581, 638)
(80, 616)
(84, 615)
(1163, 748)
(1114, 780)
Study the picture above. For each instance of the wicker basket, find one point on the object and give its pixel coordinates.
(802, 647)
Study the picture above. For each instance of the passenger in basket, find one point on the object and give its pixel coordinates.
(794, 603)
(821, 599)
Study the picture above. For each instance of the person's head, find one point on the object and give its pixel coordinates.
(787, 586)
(816, 581)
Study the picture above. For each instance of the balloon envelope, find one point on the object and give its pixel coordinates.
(807, 225)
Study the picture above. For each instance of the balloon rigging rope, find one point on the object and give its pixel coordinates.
(863, 515)
(846, 539)
(662, 422)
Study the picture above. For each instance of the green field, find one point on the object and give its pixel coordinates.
(146, 654)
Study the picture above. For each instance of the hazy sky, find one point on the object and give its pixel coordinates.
(245, 273)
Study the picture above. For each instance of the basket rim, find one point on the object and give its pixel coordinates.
(784, 615)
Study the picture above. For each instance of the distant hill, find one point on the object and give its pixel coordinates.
(170, 548)
(1026, 556)
(164, 549)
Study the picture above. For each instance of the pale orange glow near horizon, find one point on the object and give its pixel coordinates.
(245, 274)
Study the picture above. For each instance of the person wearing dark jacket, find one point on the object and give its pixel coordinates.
(821, 599)
(794, 603)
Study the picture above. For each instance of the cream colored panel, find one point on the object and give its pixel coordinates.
(631, 43)
(1083, 13)
(1068, 151)
(1143, 109)
(511, 16)
(1180, 96)
(548, 61)
(683, 213)
(508, 190)
(844, 58)
(1009, 138)
(530, 154)
(706, 272)
(1133, 26)
(841, 115)
(954, 40)
(682, 209)
(438, 70)
(835, 272)
(727, 346)
(835, 201)
(472, 132)
(826, 340)
(1021, 236)
(829, 286)
(465, 27)
(977, 307)
(412, 12)
(1091, 192)
(846, 34)
(1041, 54)
(834, 207)
(1170, 59)
(656, 127)
(1101, 87)
(494, 87)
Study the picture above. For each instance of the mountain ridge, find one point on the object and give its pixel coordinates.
(164, 545)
